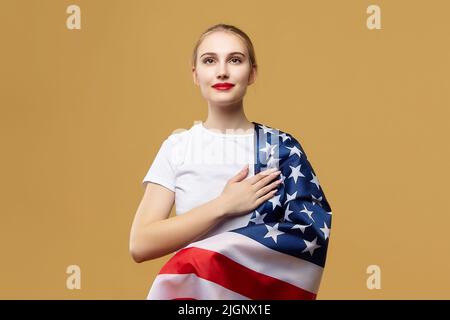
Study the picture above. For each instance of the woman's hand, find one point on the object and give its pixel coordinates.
(241, 197)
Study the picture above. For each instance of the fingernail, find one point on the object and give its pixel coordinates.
(276, 172)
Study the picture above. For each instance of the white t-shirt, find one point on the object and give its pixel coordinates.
(197, 163)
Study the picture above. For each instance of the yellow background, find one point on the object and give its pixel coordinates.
(83, 113)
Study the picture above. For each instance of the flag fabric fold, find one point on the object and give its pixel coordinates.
(279, 255)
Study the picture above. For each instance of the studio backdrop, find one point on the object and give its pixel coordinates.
(90, 89)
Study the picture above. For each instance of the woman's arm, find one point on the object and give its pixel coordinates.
(153, 235)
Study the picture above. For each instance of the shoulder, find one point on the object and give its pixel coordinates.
(179, 137)
(287, 145)
(177, 142)
(281, 137)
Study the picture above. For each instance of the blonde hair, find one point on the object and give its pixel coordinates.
(231, 29)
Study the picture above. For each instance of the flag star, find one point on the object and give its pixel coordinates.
(308, 212)
(273, 232)
(315, 181)
(287, 212)
(290, 197)
(316, 200)
(259, 218)
(266, 148)
(282, 178)
(266, 129)
(295, 150)
(311, 246)
(273, 163)
(284, 136)
(302, 227)
(330, 213)
(275, 200)
(269, 149)
(325, 230)
(276, 133)
(295, 173)
(272, 149)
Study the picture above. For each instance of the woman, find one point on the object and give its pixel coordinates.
(201, 171)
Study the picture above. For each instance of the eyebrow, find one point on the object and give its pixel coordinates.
(214, 54)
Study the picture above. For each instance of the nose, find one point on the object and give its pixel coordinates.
(223, 71)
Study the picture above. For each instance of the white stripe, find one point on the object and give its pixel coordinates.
(262, 259)
(170, 286)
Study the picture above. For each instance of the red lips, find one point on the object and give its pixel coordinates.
(223, 85)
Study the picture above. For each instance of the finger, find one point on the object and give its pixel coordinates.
(240, 175)
(261, 183)
(265, 198)
(261, 192)
(261, 175)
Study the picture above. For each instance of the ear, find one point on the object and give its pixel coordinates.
(252, 76)
(194, 75)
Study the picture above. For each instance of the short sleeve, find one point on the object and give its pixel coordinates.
(162, 170)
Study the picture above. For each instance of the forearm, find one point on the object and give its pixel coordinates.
(166, 236)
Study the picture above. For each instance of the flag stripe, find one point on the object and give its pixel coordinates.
(210, 265)
(189, 287)
(252, 254)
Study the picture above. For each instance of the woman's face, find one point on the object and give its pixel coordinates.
(223, 57)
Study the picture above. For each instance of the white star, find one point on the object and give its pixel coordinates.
(273, 232)
(325, 230)
(266, 129)
(316, 200)
(295, 150)
(308, 212)
(272, 149)
(259, 218)
(266, 148)
(302, 227)
(284, 136)
(311, 246)
(269, 149)
(282, 178)
(275, 200)
(273, 163)
(290, 197)
(287, 212)
(315, 180)
(295, 173)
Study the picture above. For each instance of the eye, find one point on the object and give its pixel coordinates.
(235, 58)
(207, 59)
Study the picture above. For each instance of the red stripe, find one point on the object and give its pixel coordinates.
(215, 267)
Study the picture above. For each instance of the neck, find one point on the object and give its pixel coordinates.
(230, 116)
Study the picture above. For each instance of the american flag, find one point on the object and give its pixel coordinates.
(279, 255)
